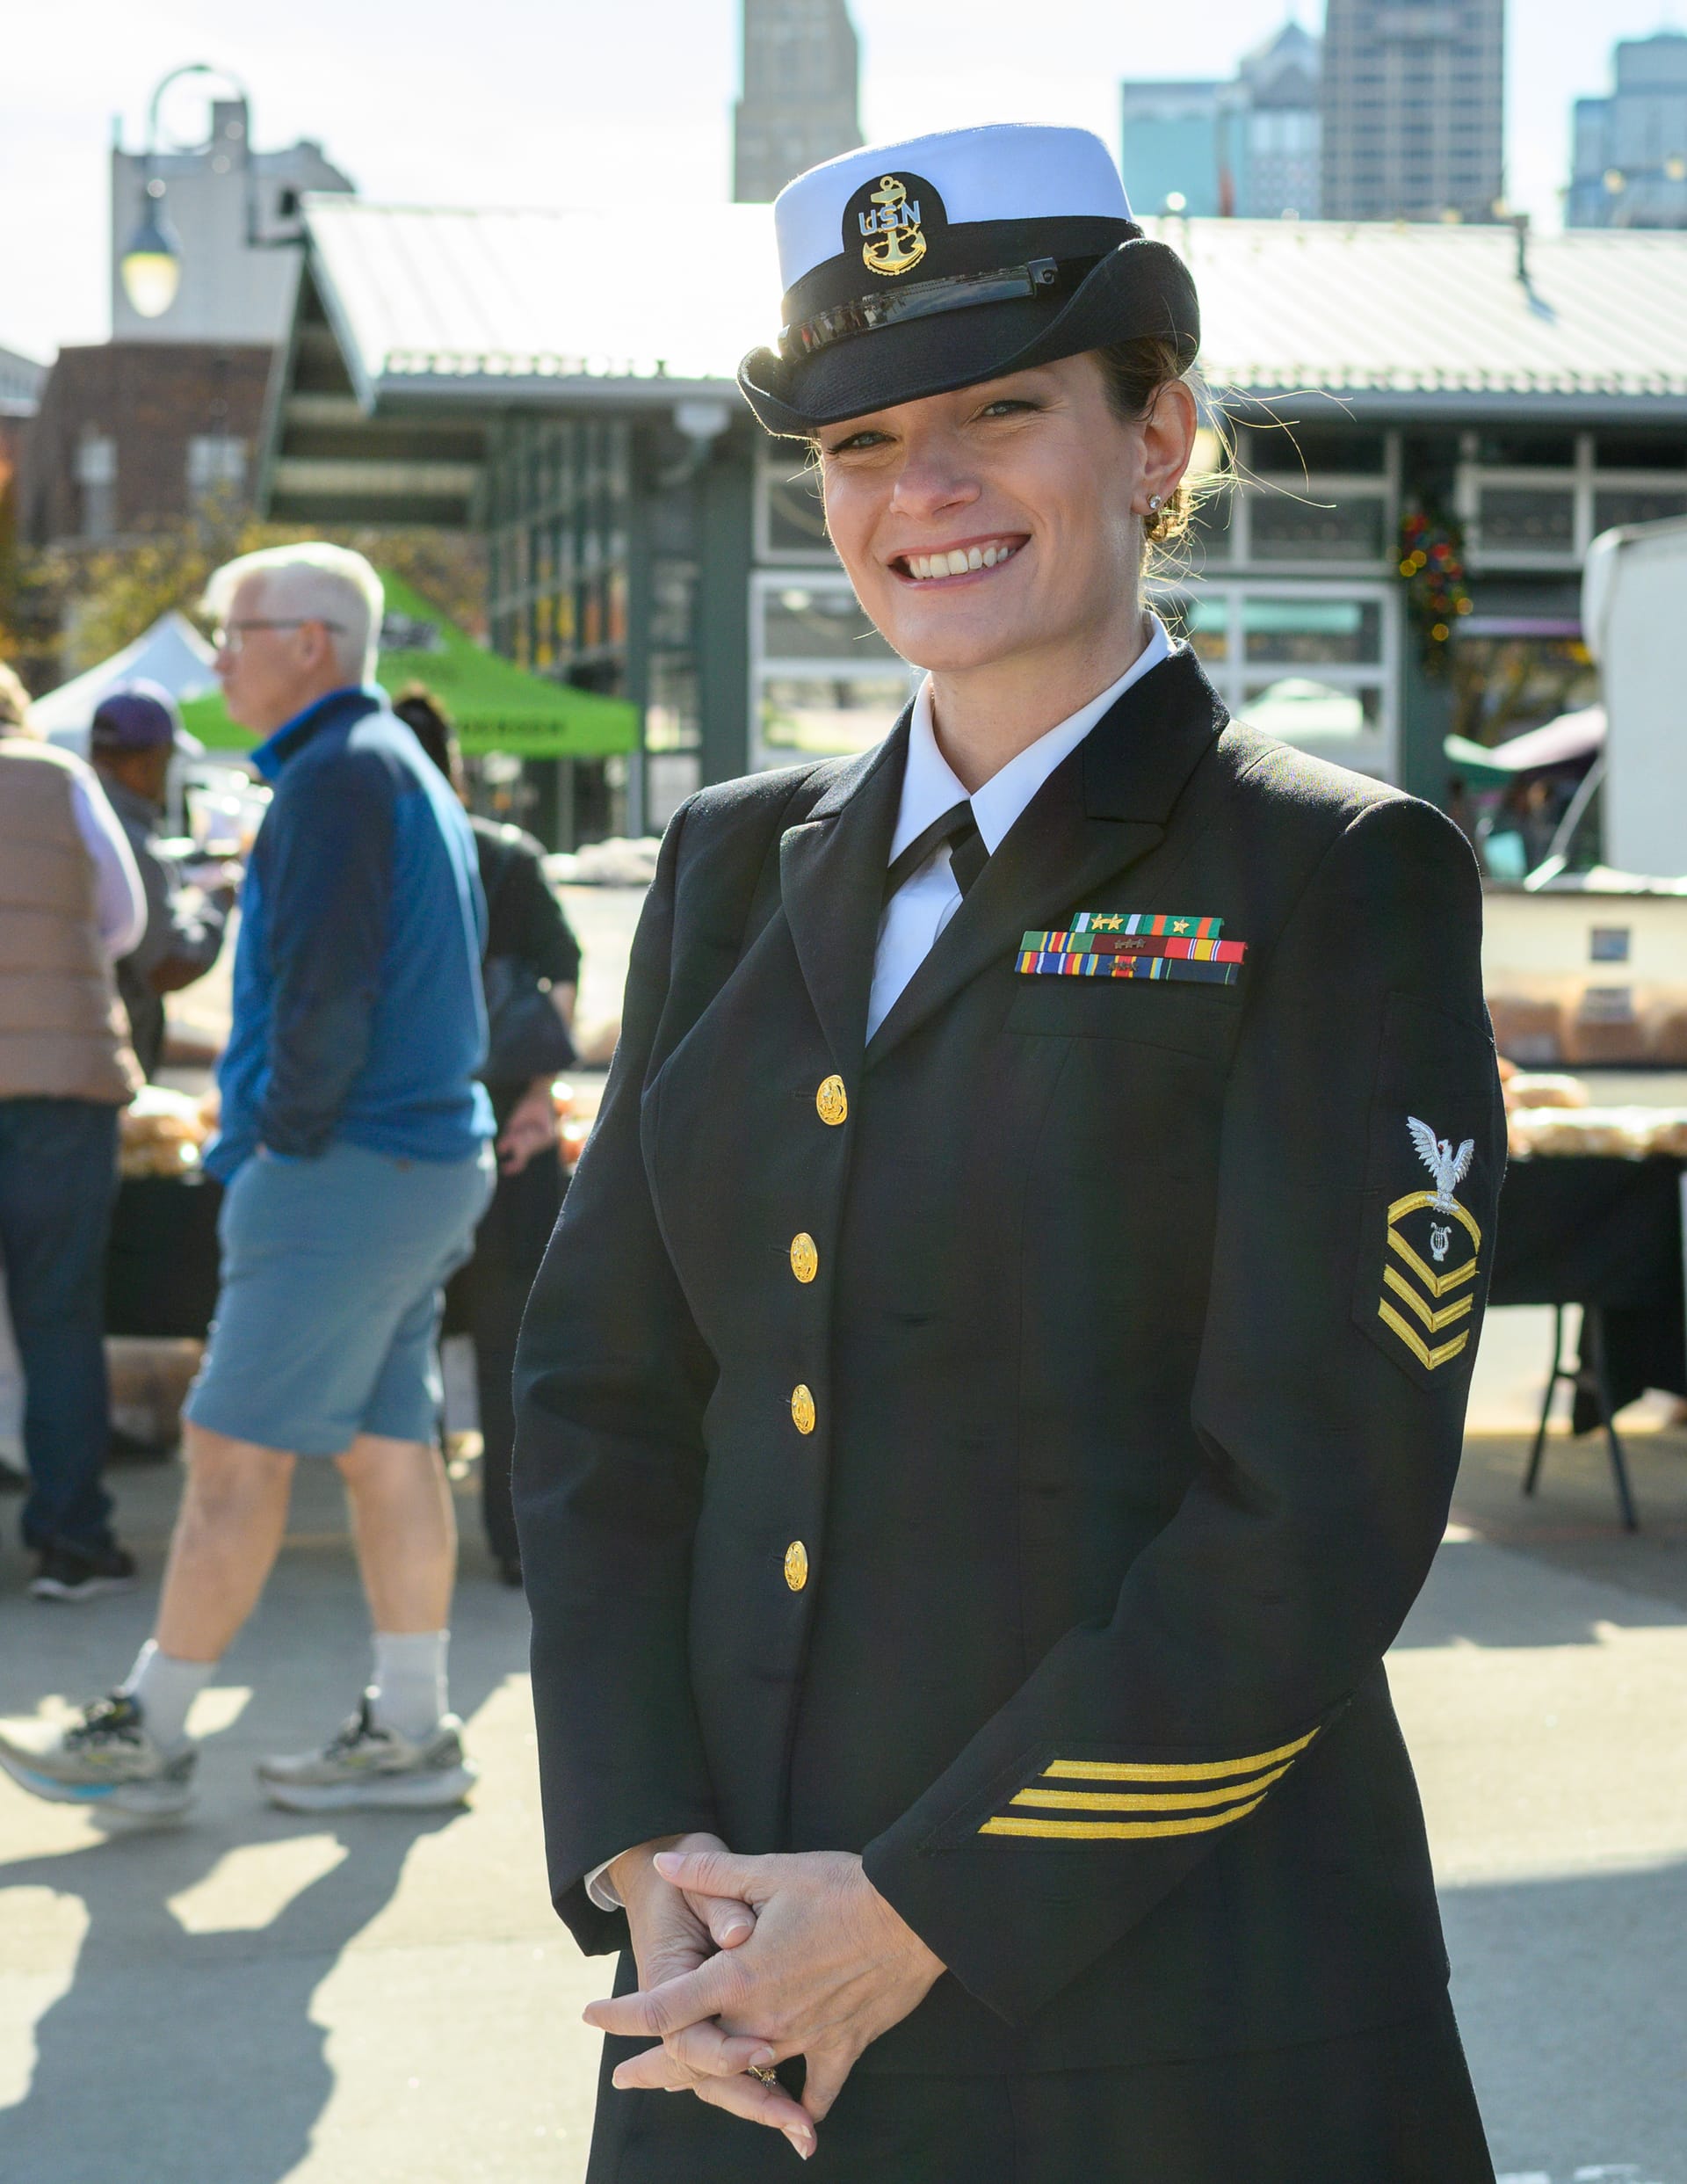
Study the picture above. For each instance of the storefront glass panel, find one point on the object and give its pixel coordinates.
(816, 716)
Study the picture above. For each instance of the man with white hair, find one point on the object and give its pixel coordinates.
(353, 1150)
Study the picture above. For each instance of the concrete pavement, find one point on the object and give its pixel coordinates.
(260, 1996)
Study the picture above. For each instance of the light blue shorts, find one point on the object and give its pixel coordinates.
(329, 1312)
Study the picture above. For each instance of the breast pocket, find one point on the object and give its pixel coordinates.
(1187, 1019)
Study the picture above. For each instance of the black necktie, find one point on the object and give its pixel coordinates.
(968, 855)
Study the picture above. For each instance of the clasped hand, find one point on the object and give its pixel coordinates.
(745, 1962)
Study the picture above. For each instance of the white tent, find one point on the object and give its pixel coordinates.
(171, 653)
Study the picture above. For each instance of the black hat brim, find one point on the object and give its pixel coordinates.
(1141, 289)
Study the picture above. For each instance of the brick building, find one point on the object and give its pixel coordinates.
(131, 435)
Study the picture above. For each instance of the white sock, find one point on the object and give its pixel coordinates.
(408, 1690)
(165, 1688)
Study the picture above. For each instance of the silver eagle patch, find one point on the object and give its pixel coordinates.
(1447, 1167)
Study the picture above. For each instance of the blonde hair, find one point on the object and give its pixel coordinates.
(14, 705)
(1135, 373)
(317, 582)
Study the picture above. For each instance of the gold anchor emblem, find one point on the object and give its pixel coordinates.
(894, 244)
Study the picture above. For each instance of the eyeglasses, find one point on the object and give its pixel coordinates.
(231, 636)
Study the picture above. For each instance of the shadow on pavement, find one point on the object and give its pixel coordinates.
(166, 2059)
(184, 2049)
(1563, 1989)
(1631, 1581)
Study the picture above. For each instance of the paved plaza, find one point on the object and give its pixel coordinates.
(376, 1997)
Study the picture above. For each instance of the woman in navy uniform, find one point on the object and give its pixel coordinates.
(996, 1386)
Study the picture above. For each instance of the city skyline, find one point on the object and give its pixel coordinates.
(629, 106)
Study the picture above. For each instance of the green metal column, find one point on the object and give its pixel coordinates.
(1425, 721)
(726, 546)
(640, 597)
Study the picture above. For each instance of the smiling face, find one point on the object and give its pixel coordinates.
(1004, 523)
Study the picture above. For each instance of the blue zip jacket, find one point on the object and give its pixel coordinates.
(358, 1012)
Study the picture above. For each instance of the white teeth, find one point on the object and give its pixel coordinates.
(958, 562)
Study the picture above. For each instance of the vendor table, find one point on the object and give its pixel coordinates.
(162, 1263)
(1605, 1233)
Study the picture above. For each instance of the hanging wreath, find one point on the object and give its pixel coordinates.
(1432, 569)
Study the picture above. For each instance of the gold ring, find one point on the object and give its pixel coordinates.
(768, 2078)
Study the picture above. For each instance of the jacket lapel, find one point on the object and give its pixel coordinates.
(1103, 808)
(831, 883)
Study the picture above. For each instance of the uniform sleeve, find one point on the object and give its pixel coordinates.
(1329, 1399)
(612, 1378)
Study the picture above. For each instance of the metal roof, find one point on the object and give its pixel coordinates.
(513, 306)
(1424, 317)
(499, 305)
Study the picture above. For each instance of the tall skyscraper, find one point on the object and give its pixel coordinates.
(800, 73)
(1630, 157)
(1414, 97)
(1170, 146)
(1277, 128)
(1248, 147)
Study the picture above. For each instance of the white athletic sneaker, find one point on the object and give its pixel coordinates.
(366, 1763)
(106, 1760)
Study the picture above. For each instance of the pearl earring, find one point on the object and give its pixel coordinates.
(1153, 503)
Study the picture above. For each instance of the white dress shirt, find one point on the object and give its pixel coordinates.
(920, 909)
(923, 906)
(119, 898)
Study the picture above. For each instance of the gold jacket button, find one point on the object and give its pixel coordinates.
(831, 1101)
(805, 1259)
(802, 1409)
(796, 1565)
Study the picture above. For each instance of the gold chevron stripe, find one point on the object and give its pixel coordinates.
(1148, 1800)
(1437, 1285)
(1433, 1320)
(1171, 1770)
(1117, 1831)
(1413, 1199)
(1420, 1350)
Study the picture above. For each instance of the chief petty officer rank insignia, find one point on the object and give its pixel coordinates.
(1134, 944)
(1430, 1265)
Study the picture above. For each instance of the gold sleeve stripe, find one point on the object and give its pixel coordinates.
(1426, 1357)
(1171, 1770)
(1437, 1285)
(1116, 1831)
(1413, 1200)
(1148, 1800)
(1435, 1321)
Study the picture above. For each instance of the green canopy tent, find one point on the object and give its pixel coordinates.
(493, 704)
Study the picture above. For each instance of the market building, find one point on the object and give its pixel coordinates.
(1494, 397)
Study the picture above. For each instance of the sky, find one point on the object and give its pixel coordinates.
(558, 102)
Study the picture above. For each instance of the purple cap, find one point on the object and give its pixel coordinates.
(139, 716)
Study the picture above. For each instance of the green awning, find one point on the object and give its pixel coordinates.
(494, 705)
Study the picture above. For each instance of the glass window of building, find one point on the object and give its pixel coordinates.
(1316, 666)
(790, 515)
(96, 471)
(823, 681)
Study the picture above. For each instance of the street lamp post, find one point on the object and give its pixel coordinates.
(151, 266)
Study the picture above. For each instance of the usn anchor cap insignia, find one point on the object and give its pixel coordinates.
(887, 221)
(1419, 1284)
